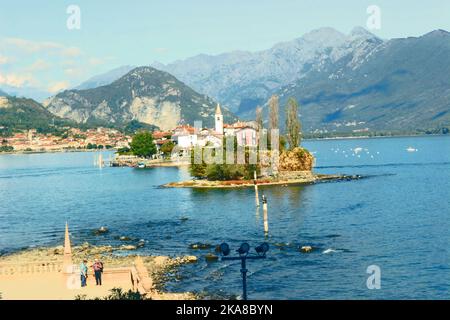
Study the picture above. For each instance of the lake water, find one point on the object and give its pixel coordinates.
(397, 219)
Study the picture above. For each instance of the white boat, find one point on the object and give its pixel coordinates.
(141, 165)
(411, 149)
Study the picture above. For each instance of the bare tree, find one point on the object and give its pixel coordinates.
(273, 112)
(259, 118)
(293, 126)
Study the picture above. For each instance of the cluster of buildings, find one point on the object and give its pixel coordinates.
(186, 136)
(73, 139)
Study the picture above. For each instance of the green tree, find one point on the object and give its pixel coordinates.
(142, 144)
(293, 126)
(197, 170)
(167, 148)
(6, 148)
(115, 294)
(124, 151)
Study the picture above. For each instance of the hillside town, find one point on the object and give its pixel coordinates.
(72, 139)
(184, 136)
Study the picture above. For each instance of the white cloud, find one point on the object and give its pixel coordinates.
(31, 46)
(96, 61)
(39, 65)
(16, 80)
(58, 86)
(71, 52)
(42, 46)
(4, 59)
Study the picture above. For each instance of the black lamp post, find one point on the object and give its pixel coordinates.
(243, 252)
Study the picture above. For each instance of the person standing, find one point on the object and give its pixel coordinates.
(98, 269)
(83, 272)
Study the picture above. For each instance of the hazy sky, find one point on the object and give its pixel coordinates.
(37, 49)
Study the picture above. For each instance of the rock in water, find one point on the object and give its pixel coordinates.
(141, 243)
(128, 247)
(190, 259)
(211, 257)
(306, 249)
(101, 230)
(200, 246)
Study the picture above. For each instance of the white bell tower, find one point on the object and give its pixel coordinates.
(219, 120)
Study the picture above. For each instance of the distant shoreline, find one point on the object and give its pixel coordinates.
(56, 151)
(305, 139)
(377, 137)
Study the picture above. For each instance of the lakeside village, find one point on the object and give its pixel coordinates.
(183, 136)
(145, 149)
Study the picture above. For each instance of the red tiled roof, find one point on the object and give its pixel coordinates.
(185, 128)
(161, 134)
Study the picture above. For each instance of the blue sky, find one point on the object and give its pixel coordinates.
(38, 50)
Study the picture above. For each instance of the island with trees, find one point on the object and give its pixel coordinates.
(279, 162)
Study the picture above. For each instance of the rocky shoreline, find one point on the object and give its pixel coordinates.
(292, 179)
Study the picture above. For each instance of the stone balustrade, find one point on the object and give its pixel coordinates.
(30, 268)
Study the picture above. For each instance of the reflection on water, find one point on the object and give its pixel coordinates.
(398, 219)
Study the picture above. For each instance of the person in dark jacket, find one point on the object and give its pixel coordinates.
(98, 270)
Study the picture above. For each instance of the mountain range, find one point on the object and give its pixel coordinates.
(242, 79)
(144, 94)
(344, 82)
(395, 85)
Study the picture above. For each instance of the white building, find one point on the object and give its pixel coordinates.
(208, 137)
(219, 120)
(185, 137)
(245, 132)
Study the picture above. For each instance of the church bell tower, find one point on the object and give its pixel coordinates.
(219, 120)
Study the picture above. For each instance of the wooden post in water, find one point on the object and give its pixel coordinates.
(265, 215)
(256, 188)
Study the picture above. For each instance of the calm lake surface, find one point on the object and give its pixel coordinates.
(397, 219)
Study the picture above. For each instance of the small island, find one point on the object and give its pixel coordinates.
(272, 159)
(295, 169)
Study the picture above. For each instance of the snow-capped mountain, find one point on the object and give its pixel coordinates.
(243, 79)
(396, 85)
